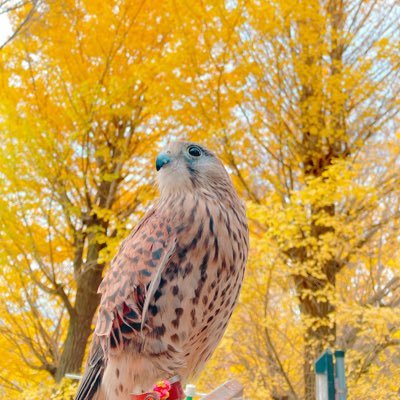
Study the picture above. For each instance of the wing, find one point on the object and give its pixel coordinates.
(132, 280)
(126, 290)
(91, 380)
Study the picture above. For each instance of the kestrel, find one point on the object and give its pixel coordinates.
(172, 287)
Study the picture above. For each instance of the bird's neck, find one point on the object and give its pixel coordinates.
(223, 196)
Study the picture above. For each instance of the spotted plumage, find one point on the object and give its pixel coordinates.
(172, 287)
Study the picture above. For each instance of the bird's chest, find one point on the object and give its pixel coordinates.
(200, 283)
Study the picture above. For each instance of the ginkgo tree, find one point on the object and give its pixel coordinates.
(79, 130)
(302, 98)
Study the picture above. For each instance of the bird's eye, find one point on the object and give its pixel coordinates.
(194, 151)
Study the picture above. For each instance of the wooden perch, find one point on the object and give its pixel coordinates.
(231, 390)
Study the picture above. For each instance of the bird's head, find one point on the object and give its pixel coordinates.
(185, 166)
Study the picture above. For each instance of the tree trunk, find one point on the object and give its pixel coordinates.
(86, 303)
(79, 330)
(317, 312)
(316, 338)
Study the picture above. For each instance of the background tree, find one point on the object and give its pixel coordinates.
(25, 8)
(302, 99)
(79, 90)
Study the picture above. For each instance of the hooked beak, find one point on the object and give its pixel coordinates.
(161, 160)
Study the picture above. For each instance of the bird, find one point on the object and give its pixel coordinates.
(172, 286)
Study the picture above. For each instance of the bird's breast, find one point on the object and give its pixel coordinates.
(201, 281)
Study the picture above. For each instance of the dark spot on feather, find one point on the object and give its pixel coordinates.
(159, 234)
(121, 387)
(228, 228)
(182, 252)
(203, 266)
(175, 290)
(157, 295)
(157, 254)
(223, 264)
(172, 271)
(192, 215)
(205, 299)
(180, 228)
(151, 263)
(199, 231)
(216, 295)
(117, 373)
(115, 337)
(175, 338)
(178, 311)
(235, 238)
(188, 269)
(216, 249)
(162, 283)
(172, 349)
(159, 330)
(193, 317)
(128, 328)
(153, 310)
(131, 315)
(211, 226)
(145, 272)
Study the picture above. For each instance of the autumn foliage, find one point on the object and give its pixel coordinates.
(299, 98)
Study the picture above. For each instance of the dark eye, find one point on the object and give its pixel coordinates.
(194, 151)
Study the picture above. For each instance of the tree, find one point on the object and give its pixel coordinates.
(302, 99)
(79, 129)
(11, 7)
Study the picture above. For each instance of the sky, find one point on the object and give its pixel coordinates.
(5, 28)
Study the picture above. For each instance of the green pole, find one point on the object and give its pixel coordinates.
(341, 390)
(325, 379)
